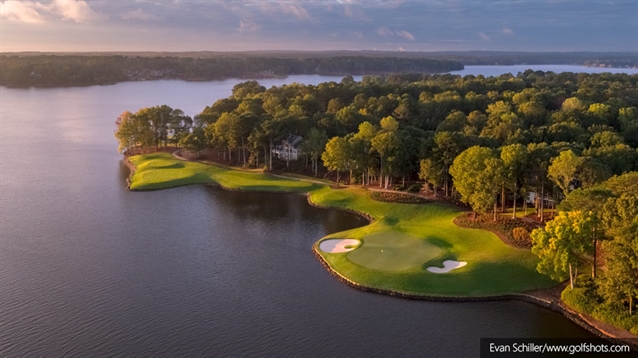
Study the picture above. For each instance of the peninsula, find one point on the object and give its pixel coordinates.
(542, 160)
(404, 243)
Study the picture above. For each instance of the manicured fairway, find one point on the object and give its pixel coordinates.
(161, 170)
(416, 236)
(393, 251)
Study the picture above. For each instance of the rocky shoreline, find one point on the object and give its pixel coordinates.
(548, 299)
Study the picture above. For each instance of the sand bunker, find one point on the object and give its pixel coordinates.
(448, 265)
(334, 246)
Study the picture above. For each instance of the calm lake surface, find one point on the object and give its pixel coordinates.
(90, 269)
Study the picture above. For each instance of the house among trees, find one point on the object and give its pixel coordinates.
(289, 148)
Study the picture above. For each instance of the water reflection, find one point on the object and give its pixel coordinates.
(278, 208)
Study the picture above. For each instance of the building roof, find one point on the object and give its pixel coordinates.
(293, 140)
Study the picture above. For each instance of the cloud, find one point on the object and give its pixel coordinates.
(22, 11)
(401, 49)
(36, 12)
(247, 25)
(384, 31)
(434, 25)
(392, 4)
(277, 7)
(484, 37)
(406, 35)
(138, 14)
(296, 10)
(355, 12)
(77, 11)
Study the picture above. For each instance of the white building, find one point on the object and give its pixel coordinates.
(289, 148)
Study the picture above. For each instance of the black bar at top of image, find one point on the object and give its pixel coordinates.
(555, 347)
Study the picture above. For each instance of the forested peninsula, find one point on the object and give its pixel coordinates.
(80, 70)
(547, 161)
(35, 69)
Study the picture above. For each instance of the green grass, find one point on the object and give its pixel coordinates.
(492, 267)
(393, 251)
(161, 171)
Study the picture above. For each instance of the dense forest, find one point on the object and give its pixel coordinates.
(590, 59)
(56, 70)
(489, 142)
(75, 69)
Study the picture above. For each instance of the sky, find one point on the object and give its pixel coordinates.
(381, 25)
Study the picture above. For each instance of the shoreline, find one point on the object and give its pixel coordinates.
(551, 302)
(546, 298)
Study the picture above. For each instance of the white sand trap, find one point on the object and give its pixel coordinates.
(334, 246)
(448, 265)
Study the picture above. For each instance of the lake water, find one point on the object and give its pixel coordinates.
(90, 269)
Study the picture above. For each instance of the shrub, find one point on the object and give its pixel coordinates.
(503, 227)
(579, 299)
(584, 298)
(414, 188)
(396, 198)
(521, 235)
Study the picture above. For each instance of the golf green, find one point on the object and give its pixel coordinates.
(393, 251)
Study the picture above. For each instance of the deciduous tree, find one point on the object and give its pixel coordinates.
(563, 169)
(335, 157)
(478, 175)
(562, 243)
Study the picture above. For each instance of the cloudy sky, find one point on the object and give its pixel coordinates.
(239, 25)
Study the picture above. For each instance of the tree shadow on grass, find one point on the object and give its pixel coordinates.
(439, 242)
(167, 166)
(390, 220)
(277, 188)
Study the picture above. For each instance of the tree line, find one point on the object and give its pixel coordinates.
(567, 138)
(69, 70)
(396, 127)
(599, 221)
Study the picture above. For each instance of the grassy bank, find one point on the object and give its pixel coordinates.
(492, 267)
(162, 171)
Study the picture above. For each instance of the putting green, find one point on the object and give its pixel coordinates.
(393, 251)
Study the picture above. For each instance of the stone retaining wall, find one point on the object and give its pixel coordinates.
(551, 305)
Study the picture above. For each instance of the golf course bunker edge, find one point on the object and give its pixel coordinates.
(393, 251)
(335, 246)
(448, 265)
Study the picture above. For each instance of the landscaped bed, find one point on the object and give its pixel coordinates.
(514, 232)
(412, 237)
(388, 197)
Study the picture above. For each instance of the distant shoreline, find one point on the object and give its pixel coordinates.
(248, 78)
(260, 77)
(257, 76)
